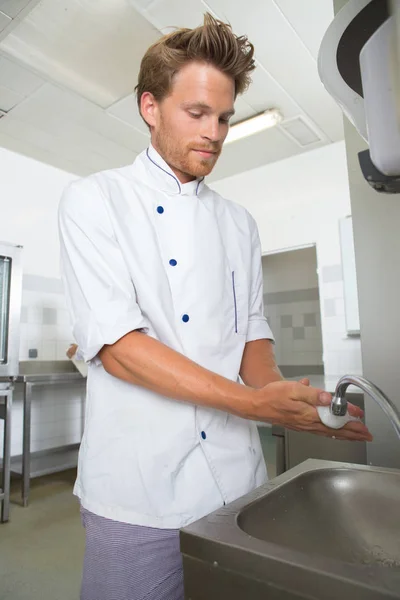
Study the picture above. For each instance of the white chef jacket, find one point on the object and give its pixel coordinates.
(142, 251)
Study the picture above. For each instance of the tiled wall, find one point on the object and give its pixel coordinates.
(341, 353)
(45, 325)
(295, 319)
(57, 411)
(57, 417)
(291, 301)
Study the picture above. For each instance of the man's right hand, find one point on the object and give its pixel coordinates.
(293, 405)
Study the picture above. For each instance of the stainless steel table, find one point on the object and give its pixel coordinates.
(35, 374)
(6, 392)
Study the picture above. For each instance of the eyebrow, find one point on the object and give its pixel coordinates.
(206, 107)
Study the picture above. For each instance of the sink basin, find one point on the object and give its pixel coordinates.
(345, 514)
(322, 530)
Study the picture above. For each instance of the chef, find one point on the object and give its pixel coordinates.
(164, 284)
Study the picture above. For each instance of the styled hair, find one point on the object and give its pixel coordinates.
(213, 43)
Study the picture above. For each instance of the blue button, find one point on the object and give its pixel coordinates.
(173, 262)
(185, 318)
(160, 210)
(203, 435)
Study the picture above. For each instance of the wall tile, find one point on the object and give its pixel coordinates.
(49, 315)
(49, 350)
(24, 314)
(286, 321)
(298, 333)
(332, 273)
(298, 320)
(330, 307)
(310, 320)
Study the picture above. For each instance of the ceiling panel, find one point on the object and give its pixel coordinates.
(140, 4)
(23, 146)
(93, 48)
(51, 107)
(4, 21)
(282, 53)
(64, 148)
(13, 7)
(167, 14)
(8, 98)
(126, 110)
(17, 78)
(266, 92)
(242, 110)
(309, 19)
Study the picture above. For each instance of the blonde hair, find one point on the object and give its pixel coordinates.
(213, 42)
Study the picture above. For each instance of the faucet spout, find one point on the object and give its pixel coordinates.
(339, 400)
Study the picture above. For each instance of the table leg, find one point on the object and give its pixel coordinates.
(26, 444)
(5, 505)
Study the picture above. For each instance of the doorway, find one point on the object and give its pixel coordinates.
(292, 306)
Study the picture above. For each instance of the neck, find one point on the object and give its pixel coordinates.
(180, 175)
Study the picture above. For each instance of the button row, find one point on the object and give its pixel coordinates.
(173, 263)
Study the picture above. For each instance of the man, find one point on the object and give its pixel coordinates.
(164, 283)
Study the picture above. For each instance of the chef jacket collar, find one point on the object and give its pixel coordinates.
(165, 178)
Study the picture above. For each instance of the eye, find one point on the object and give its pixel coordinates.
(224, 120)
(195, 115)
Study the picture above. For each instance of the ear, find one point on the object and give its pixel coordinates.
(149, 108)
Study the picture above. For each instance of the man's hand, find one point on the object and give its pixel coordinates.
(72, 350)
(293, 405)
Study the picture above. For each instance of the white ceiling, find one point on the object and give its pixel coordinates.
(68, 69)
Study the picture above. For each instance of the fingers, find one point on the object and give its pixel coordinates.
(310, 395)
(304, 381)
(355, 431)
(355, 411)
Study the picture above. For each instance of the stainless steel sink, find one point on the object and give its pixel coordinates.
(322, 530)
(350, 515)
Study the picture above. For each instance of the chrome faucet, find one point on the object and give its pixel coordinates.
(339, 401)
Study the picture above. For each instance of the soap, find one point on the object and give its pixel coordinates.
(333, 421)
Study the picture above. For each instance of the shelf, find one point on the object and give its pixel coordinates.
(49, 461)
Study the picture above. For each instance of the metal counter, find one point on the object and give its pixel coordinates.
(33, 374)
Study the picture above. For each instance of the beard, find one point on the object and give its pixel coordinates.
(181, 157)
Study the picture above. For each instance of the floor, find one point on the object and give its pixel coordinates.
(41, 548)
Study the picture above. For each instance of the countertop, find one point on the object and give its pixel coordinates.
(57, 371)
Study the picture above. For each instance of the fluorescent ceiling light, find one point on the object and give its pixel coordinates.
(269, 118)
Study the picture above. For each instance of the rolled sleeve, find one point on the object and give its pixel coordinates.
(100, 294)
(258, 327)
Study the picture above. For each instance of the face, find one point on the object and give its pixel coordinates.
(189, 126)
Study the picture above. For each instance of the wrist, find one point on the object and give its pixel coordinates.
(257, 404)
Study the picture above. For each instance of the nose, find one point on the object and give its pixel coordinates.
(212, 130)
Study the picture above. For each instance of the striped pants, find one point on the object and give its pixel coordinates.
(130, 562)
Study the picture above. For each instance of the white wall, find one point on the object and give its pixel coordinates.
(300, 201)
(29, 197)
